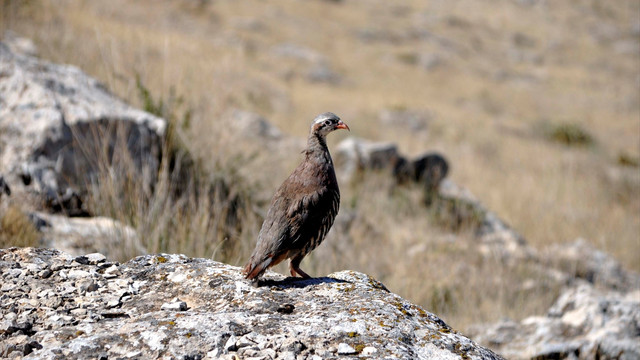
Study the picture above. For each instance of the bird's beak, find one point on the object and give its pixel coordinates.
(342, 125)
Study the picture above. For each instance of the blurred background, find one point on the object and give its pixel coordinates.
(535, 105)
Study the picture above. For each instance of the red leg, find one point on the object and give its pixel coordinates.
(294, 267)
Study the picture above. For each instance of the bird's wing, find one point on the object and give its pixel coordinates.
(274, 232)
(310, 216)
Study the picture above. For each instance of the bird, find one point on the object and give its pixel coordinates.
(303, 208)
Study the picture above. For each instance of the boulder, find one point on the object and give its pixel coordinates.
(59, 306)
(453, 206)
(584, 323)
(79, 236)
(496, 238)
(428, 169)
(253, 126)
(580, 260)
(355, 154)
(59, 128)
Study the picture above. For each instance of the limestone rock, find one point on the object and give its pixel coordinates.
(56, 306)
(19, 44)
(80, 236)
(59, 127)
(254, 126)
(578, 259)
(355, 154)
(496, 237)
(428, 169)
(584, 323)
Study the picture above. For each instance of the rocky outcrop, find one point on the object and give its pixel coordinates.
(60, 127)
(453, 205)
(354, 155)
(78, 235)
(580, 260)
(55, 305)
(250, 128)
(596, 316)
(584, 323)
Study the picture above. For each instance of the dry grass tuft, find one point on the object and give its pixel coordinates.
(17, 230)
(189, 209)
(569, 134)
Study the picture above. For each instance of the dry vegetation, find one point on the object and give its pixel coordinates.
(535, 104)
(16, 229)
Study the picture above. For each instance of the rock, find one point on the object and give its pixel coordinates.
(353, 155)
(584, 323)
(428, 169)
(580, 260)
(369, 351)
(497, 239)
(4, 187)
(83, 237)
(430, 61)
(298, 52)
(453, 205)
(175, 305)
(346, 349)
(19, 44)
(252, 131)
(356, 154)
(252, 125)
(344, 313)
(60, 127)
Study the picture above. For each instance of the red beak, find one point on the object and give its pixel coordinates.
(342, 125)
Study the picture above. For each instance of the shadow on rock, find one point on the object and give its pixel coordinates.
(296, 282)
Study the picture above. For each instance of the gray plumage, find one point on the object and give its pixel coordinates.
(303, 208)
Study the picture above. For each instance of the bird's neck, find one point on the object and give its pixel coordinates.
(317, 148)
(317, 142)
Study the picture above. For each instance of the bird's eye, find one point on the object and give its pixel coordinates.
(327, 122)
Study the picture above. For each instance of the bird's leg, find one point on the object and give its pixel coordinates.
(294, 267)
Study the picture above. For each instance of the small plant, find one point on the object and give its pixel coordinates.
(409, 58)
(626, 159)
(569, 134)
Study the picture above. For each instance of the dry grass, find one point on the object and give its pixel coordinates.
(500, 72)
(190, 209)
(16, 229)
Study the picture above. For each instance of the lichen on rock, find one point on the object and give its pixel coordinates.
(57, 305)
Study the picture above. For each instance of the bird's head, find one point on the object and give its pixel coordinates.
(326, 123)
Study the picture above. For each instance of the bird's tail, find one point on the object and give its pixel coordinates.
(257, 266)
(252, 270)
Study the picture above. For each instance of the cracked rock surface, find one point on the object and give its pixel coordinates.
(57, 306)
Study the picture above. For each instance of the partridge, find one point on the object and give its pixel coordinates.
(303, 208)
